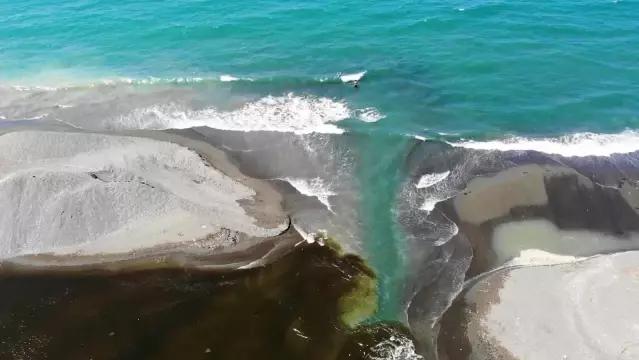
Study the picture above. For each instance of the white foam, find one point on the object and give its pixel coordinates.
(38, 117)
(369, 114)
(429, 180)
(580, 144)
(290, 113)
(429, 204)
(352, 77)
(229, 78)
(150, 80)
(419, 137)
(54, 83)
(397, 347)
(314, 188)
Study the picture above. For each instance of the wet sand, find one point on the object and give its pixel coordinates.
(549, 208)
(543, 222)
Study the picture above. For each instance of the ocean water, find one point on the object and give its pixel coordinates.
(560, 77)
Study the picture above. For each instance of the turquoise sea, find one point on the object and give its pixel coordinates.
(474, 68)
(559, 77)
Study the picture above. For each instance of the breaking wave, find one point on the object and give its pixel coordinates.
(429, 180)
(314, 188)
(55, 82)
(397, 347)
(579, 144)
(289, 113)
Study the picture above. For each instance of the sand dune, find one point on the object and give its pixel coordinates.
(86, 193)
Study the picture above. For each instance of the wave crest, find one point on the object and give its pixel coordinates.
(578, 145)
(290, 113)
(56, 83)
(315, 187)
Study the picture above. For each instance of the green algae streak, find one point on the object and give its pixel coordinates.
(361, 302)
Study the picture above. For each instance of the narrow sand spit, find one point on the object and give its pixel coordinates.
(82, 193)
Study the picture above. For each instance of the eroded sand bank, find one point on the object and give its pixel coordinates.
(86, 194)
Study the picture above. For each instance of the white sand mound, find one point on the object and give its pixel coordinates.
(91, 193)
(584, 311)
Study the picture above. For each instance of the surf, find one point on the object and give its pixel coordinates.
(571, 145)
(58, 80)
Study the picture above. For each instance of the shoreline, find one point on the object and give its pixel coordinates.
(173, 256)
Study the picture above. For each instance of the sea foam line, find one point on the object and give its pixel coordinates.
(64, 81)
(397, 347)
(315, 187)
(352, 77)
(429, 180)
(289, 113)
(230, 78)
(579, 144)
(74, 84)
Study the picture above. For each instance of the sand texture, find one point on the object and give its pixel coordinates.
(63, 193)
(582, 310)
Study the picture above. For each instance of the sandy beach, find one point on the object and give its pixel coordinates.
(94, 198)
(567, 311)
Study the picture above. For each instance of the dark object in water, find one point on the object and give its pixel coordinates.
(300, 307)
(356, 84)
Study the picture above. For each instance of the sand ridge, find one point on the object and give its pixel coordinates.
(70, 192)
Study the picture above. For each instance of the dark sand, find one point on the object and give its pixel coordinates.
(560, 196)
